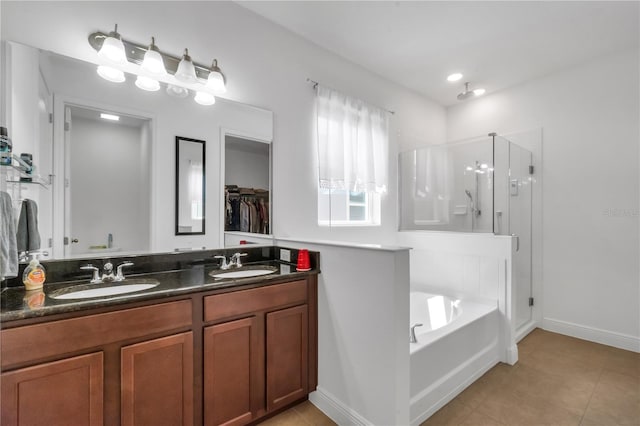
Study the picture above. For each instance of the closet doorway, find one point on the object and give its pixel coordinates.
(246, 177)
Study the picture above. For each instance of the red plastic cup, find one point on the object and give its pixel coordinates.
(304, 263)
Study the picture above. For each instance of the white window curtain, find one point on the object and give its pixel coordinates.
(353, 140)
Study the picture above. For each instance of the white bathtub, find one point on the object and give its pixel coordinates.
(458, 342)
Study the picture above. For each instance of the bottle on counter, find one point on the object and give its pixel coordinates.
(5, 147)
(28, 169)
(34, 275)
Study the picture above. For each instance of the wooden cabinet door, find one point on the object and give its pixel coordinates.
(287, 356)
(63, 392)
(233, 372)
(157, 381)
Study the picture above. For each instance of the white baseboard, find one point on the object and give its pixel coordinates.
(335, 409)
(610, 338)
(511, 355)
(525, 329)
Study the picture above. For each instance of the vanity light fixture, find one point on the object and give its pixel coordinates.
(154, 68)
(204, 98)
(111, 74)
(454, 77)
(177, 91)
(152, 64)
(112, 50)
(147, 83)
(186, 72)
(216, 80)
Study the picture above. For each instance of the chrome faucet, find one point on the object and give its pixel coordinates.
(412, 333)
(223, 265)
(95, 279)
(119, 274)
(107, 272)
(234, 261)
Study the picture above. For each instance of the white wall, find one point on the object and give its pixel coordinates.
(265, 66)
(589, 116)
(363, 320)
(107, 194)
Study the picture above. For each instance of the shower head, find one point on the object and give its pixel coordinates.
(467, 93)
(466, 191)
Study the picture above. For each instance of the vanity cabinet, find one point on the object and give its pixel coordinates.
(287, 356)
(55, 393)
(232, 372)
(157, 381)
(218, 357)
(107, 368)
(256, 354)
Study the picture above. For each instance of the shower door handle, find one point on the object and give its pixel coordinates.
(517, 242)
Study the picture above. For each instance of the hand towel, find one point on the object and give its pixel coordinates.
(8, 246)
(28, 236)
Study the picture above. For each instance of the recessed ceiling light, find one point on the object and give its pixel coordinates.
(479, 92)
(454, 77)
(109, 116)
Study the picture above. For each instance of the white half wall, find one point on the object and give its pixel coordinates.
(589, 117)
(363, 326)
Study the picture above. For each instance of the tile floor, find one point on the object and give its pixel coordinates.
(558, 380)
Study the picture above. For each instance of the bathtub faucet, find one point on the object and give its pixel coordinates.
(412, 333)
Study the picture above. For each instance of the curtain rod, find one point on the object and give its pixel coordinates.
(315, 85)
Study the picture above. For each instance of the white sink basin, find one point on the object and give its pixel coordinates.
(112, 290)
(243, 273)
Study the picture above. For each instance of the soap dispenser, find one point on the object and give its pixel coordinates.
(34, 275)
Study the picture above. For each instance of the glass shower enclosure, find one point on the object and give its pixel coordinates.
(482, 185)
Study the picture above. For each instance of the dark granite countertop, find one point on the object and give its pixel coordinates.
(16, 303)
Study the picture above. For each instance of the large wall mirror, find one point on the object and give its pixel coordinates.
(137, 186)
(190, 186)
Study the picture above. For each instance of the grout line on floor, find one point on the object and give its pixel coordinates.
(586, 408)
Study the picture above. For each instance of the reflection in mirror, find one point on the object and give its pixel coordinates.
(247, 184)
(40, 85)
(190, 186)
(107, 190)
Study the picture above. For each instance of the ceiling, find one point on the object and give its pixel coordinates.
(494, 44)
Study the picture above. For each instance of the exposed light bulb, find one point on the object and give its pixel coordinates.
(177, 91)
(111, 74)
(153, 63)
(147, 83)
(479, 92)
(186, 72)
(215, 81)
(205, 98)
(454, 77)
(112, 49)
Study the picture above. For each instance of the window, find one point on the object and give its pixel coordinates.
(338, 207)
(352, 160)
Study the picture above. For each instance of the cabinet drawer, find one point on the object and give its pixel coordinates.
(254, 300)
(33, 342)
